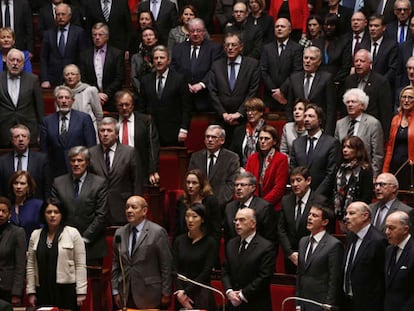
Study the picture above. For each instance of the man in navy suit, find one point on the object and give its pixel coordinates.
(61, 46)
(36, 163)
(63, 130)
(193, 59)
(399, 30)
(399, 263)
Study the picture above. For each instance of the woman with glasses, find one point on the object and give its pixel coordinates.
(399, 156)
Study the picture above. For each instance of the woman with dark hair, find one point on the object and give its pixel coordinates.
(141, 62)
(246, 136)
(180, 33)
(270, 167)
(197, 189)
(258, 17)
(12, 256)
(25, 209)
(354, 176)
(195, 254)
(56, 262)
(145, 19)
(313, 30)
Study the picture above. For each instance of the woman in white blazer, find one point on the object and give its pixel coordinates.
(56, 262)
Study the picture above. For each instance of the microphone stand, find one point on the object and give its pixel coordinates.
(324, 306)
(121, 265)
(185, 279)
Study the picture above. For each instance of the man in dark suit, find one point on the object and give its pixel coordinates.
(21, 100)
(119, 165)
(279, 60)
(36, 163)
(5, 306)
(63, 130)
(363, 268)
(398, 30)
(405, 51)
(165, 14)
(320, 261)
(193, 59)
(224, 12)
(219, 164)
(384, 7)
(386, 191)
(118, 18)
(165, 96)
(244, 188)
(233, 79)
(20, 21)
(317, 151)
(137, 130)
(399, 263)
(103, 66)
(248, 267)
(146, 256)
(294, 214)
(359, 34)
(61, 46)
(84, 195)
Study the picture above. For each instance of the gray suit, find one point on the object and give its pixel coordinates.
(148, 270)
(370, 131)
(397, 205)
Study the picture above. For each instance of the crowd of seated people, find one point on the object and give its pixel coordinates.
(340, 74)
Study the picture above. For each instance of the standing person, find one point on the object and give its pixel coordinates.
(195, 254)
(12, 256)
(248, 267)
(314, 30)
(320, 261)
(146, 255)
(180, 33)
(56, 273)
(258, 16)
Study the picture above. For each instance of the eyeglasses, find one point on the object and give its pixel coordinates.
(241, 185)
(382, 184)
(402, 9)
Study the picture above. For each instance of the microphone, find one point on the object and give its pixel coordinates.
(186, 279)
(121, 264)
(324, 306)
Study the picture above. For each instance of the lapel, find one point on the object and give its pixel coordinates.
(117, 157)
(214, 169)
(87, 184)
(364, 245)
(225, 74)
(101, 160)
(314, 85)
(142, 237)
(318, 249)
(362, 127)
(399, 263)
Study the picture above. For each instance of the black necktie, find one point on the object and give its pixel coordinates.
(242, 247)
(76, 183)
(19, 162)
(356, 46)
(282, 48)
(134, 239)
(107, 160)
(298, 214)
(160, 87)
(194, 59)
(310, 250)
(350, 264)
(62, 41)
(211, 164)
(307, 85)
(7, 22)
(374, 54)
(310, 150)
(393, 260)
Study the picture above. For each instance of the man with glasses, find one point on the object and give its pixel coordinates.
(386, 191)
(399, 30)
(244, 187)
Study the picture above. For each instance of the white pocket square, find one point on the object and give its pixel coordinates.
(403, 268)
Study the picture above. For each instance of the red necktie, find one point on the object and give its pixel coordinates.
(125, 132)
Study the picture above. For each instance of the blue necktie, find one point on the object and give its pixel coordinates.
(232, 79)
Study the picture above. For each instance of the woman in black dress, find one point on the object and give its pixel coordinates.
(195, 254)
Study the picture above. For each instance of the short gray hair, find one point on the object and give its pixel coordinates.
(216, 126)
(109, 120)
(65, 88)
(74, 151)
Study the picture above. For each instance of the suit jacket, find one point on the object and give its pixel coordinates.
(205, 10)
(380, 98)
(166, 20)
(344, 16)
(405, 51)
(370, 131)
(393, 29)
(322, 93)
(272, 188)
(5, 306)
(12, 259)
(400, 281)
(119, 23)
(288, 235)
(370, 8)
(250, 272)
(223, 172)
(246, 86)
(322, 165)
(265, 219)
(80, 133)
(52, 61)
(88, 212)
(320, 277)
(252, 38)
(113, 71)
(276, 69)
(37, 166)
(23, 25)
(29, 110)
(181, 62)
(289, 135)
(46, 19)
(124, 178)
(367, 273)
(397, 205)
(148, 271)
(172, 111)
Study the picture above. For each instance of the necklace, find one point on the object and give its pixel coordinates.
(49, 243)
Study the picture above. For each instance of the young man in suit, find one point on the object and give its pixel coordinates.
(146, 255)
(365, 126)
(119, 165)
(248, 267)
(363, 268)
(63, 130)
(317, 151)
(399, 263)
(25, 159)
(320, 261)
(293, 215)
(21, 99)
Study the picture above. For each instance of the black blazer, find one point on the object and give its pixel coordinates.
(252, 38)
(370, 8)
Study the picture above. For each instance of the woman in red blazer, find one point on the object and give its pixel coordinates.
(270, 167)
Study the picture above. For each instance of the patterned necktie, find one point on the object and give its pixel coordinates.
(108, 159)
(105, 10)
(307, 85)
(351, 127)
(63, 128)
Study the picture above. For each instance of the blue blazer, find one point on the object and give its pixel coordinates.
(28, 217)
